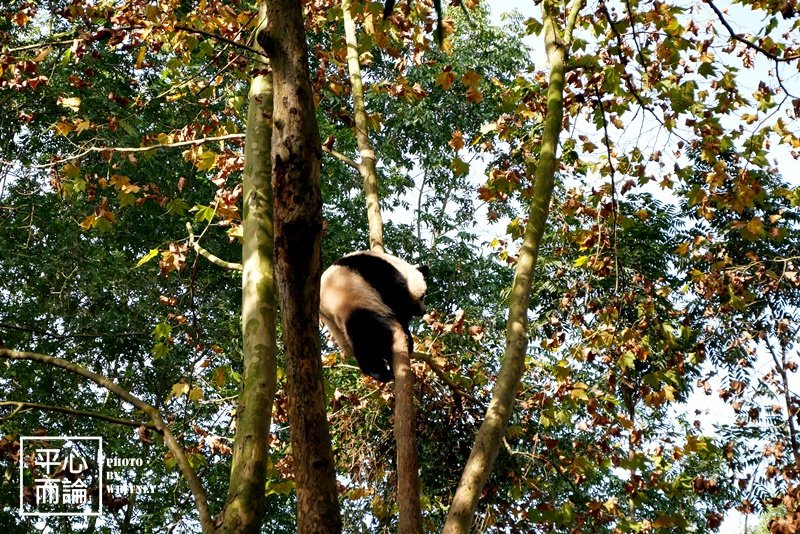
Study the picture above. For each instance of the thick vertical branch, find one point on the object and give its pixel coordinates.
(405, 420)
(367, 166)
(405, 435)
(490, 435)
(296, 155)
(780, 367)
(244, 509)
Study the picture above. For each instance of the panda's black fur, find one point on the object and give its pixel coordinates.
(366, 298)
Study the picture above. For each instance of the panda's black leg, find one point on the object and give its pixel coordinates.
(370, 334)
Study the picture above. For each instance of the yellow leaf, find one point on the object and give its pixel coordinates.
(43, 54)
(579, 394)
(581, 261)
(195, 394)
(750, 118)
(140, 56)
(81, 125)
(218, 377)
(445, 80)
(754, 227)
(63, 128)
(165, 139)
(181, 388)
(147, 257)
(70, 171)
(206, 161)
(89, 222)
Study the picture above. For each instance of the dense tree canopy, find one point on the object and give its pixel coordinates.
(626, 271)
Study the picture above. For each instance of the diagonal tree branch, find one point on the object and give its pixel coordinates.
(747, 42)
(219, 262)
(438, 371)
(353, 163)
(201, 501)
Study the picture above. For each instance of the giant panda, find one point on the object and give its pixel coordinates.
(367, 300)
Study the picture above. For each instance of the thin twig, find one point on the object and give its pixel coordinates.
(614, 206)
(22, 405)
(89, 335)
(220, 38)
(746, 42)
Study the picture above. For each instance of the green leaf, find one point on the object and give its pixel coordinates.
(203, 213)
(162, 331)
(160, 350)
(126, 199)
(177, 206)
(533, 26)
(627, 360)
(706, 70)
(459, 166)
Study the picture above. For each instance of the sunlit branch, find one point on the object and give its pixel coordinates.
(179, 27)
(219, 262)
(127, 150)
(341, 157)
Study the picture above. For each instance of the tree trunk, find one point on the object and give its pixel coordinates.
(367, 165)
(405, 435)
(296, 155)
(487, 442)
(244, 509)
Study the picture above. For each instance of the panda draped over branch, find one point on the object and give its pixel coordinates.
(367, 300)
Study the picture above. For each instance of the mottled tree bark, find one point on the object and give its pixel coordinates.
(366, 167)
(296, 155)
(487, 442)
(244, 509)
